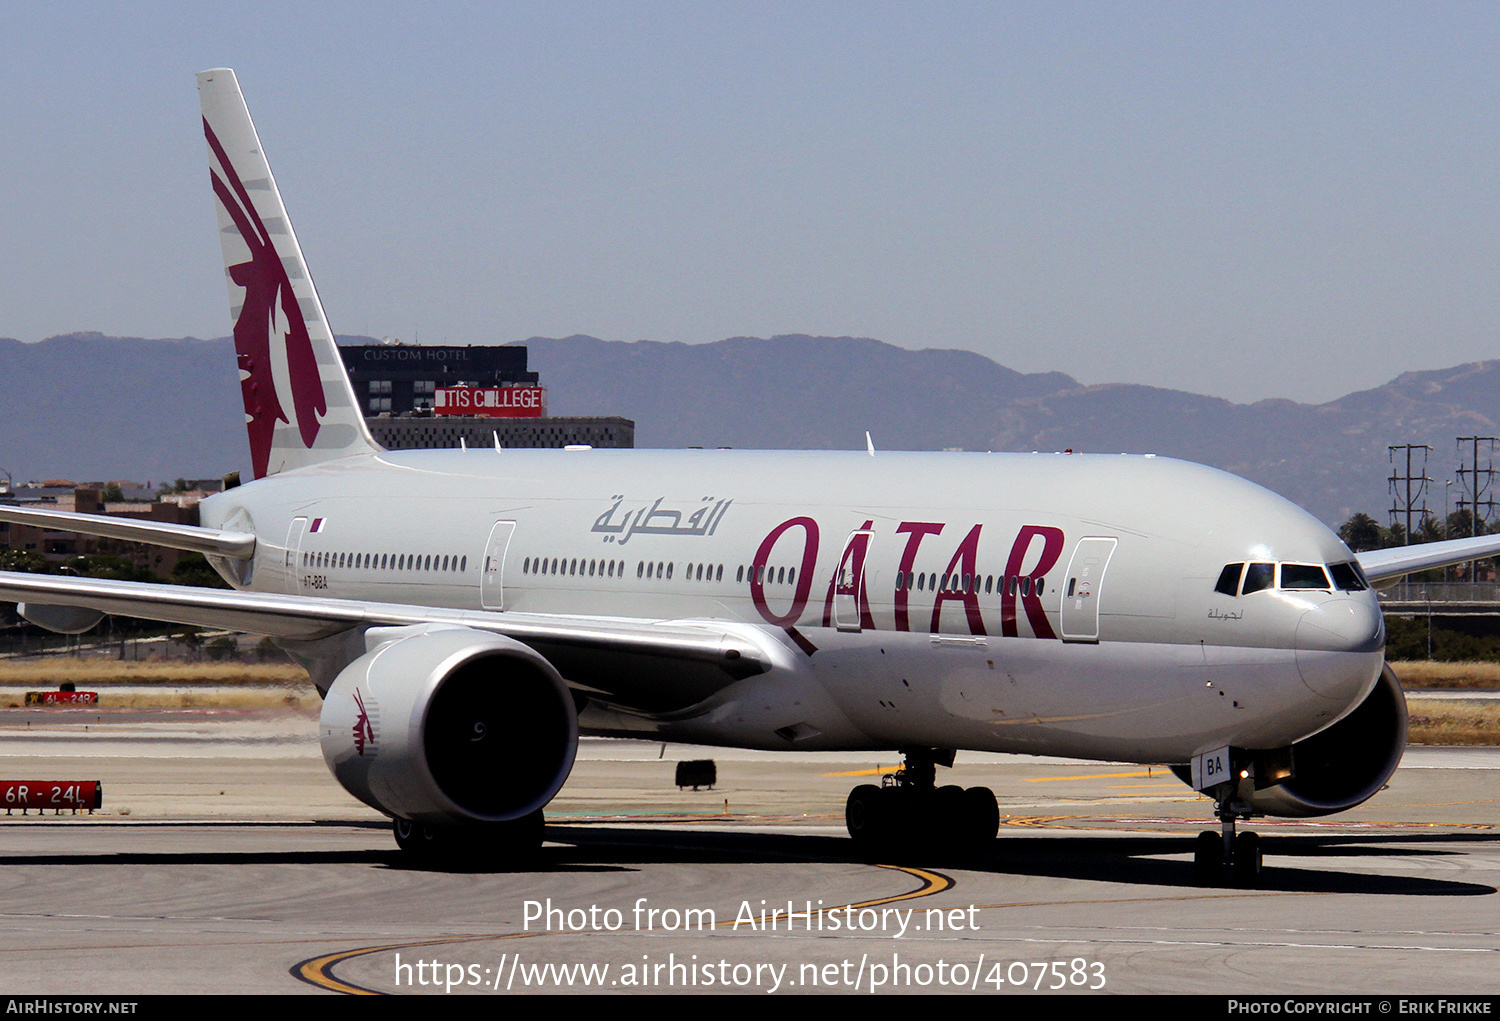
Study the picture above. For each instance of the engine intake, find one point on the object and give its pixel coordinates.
(450, 725)
(1347, 764)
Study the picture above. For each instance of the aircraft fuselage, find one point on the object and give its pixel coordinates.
(1046, 603)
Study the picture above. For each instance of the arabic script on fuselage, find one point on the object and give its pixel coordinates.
(655, 519)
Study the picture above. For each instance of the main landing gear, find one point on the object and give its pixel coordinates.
(1226, 854)
(910, 812)
(481, 845)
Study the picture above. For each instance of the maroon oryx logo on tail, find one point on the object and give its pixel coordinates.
(268, 291)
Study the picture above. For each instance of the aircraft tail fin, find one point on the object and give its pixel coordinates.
(299, 406)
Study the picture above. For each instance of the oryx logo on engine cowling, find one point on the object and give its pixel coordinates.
(364, 730)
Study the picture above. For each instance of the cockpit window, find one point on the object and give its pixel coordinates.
(1229, 579)
(1304, 576)
(1348, 577)
(1259, 576)
(1247, 578)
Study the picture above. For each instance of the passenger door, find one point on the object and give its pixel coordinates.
(492, 577)
(1082, 587)
(293, 563)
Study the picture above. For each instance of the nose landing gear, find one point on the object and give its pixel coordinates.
(1227, 854)
(910, 812)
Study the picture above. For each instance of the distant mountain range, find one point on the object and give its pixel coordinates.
(90, 407)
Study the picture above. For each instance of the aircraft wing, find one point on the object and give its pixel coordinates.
(644, 664)
(208, 541)
(1388, 565)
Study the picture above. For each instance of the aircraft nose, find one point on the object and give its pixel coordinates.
(1341, 647)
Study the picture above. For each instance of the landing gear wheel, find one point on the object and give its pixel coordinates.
(900, 819)
(949, 818)
(1208, 859)
(418, 841)
(480, 845)
(911, 814)
(1247, 859)
(1228, 856)
(864, 815)
(504, 844)
(982, 814)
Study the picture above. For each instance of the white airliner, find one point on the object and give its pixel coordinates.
(467, 614)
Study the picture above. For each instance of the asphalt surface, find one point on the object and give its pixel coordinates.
(226, 859)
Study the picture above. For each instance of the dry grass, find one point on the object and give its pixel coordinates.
(54, 670)
(303, 699)
(184, 685)
(1447, 723)
(50, 672)
(285, 686)
(1484, 676)
(1422, 673)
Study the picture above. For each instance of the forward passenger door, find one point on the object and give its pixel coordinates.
(1082, 587)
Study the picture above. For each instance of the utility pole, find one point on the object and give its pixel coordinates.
(1447, 513)
(1476, 482)
(1409, 490)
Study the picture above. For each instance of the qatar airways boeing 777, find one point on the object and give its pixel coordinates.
(468, 613)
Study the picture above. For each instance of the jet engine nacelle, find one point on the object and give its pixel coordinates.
(1345, 765)
(448, 725)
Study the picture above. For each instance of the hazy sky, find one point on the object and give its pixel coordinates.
(1250, 200)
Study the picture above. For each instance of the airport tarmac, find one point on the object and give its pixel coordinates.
(226, 859)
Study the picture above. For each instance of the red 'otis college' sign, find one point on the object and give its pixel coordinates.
(491, 402)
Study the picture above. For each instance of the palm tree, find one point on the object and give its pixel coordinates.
(1360, 532)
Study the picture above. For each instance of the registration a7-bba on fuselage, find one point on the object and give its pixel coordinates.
(468, 612)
